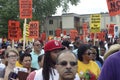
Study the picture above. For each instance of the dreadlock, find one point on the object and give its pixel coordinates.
(48, 64)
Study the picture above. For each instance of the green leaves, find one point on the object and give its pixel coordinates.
(9, 9)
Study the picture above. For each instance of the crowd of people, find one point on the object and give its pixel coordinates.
(61, 60)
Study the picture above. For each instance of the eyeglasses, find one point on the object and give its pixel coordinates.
(91, 53)
(65, 63)
(13, 56)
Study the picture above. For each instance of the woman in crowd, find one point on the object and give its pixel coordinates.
(95, 56)
(87, 68)
(11, 57)
(41, 60)
(26, 62)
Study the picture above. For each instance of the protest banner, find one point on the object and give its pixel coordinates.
(85, 31)
(25, 7)
(58, 31)
(100, 36)
(92, 36)
(111, 29)
(43, 36)
(73, 34)
(64, 32)
(113, 7)
(95, 23)
(14, 30)
(34, 29)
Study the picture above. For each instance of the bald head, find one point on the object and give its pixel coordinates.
(65, 53)
(66, 65)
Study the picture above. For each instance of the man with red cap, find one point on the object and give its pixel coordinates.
(48, 72)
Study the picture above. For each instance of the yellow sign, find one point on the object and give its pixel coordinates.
(26, 33)
(95, 23)
(27, 30)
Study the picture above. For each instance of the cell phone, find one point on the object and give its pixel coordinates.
(12, 75)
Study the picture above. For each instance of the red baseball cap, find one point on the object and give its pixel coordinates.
(53, 45)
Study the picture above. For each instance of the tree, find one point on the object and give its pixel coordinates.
(9, 9)
(45, 8)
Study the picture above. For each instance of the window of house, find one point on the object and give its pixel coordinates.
(50, 32)
(50, 21)
(77, 19)
(83, 20)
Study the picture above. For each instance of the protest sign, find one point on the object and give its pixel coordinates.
(113, 7)
(25, 7)
(34, 29)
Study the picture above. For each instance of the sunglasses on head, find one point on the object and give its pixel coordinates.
(65, 63)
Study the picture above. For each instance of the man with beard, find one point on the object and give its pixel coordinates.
(48, 72)
(66, 66)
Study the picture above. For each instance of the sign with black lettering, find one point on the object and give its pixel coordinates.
(113, 7)
(95, 23)
(34, 29)
(25, 7)
(111, 30)
(14, 32)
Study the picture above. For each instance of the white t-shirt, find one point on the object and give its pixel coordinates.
(55, 76)
(38, 75)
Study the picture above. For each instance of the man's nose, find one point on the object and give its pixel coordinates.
(68, 65)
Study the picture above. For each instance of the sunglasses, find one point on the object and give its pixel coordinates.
(91, 53)
(65, 63)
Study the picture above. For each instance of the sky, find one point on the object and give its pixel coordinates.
(87, 7)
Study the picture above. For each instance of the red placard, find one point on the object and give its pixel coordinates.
(113, 7)
(111, 29)
(84, 26)
(73, 34)
(43, 36)
(102, 36)
(25, 7)
(64, 32)
(92, 36)
(14, 32)
(34, 29)
(81, 37)
(58, 31)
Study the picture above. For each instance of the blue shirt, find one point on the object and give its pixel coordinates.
(99, 64)
(34, 56)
